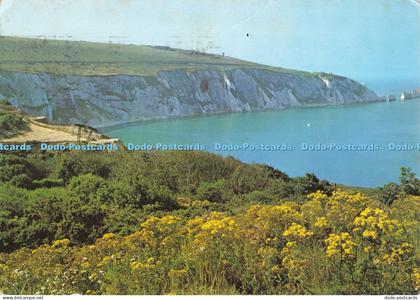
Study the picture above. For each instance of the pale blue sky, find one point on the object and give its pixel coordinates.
(374, 41)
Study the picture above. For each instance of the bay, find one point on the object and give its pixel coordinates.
(393, 127)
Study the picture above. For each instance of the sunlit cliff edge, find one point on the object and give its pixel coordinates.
(105, 84)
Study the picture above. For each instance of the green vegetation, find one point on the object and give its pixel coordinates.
(86, 58)
(197, 223)
(4, 103)
(11, 120)
(81, 188)
(11, 124)
(409, 185)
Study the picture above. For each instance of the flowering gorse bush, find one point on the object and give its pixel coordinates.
(343, 243)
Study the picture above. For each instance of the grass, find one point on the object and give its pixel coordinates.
(87, 58)
(371, 192)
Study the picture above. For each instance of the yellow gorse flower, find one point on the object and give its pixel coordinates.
(321, 222)
(367, 249)
(398, 253)
(350, 199)
(264, 244)
(108, 236)
(216, 226)
(370, 234)
(416, 278)
(340, 244)
(275, 269)
(105, 260)
(297, 230)
(135, 266)
(61, 243)
(374, 222)
(318, 196)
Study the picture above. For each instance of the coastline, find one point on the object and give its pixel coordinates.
(117, 125)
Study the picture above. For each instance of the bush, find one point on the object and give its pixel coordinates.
(22, 181)
(346, 246)
(259, 197)
(47, 183)
(86, 187)
(408, 182)
(213, 192)
(138, 192)
(276, 174)
(10, 124)
(71, 165)
(389, 193)
(310, 184)
(149, 193)
(281, 189)
(248, 178)
(5, 102)
(17, 170)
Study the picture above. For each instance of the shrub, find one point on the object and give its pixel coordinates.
(213, 192)
(267, 249)
(389, 193)
(10, 124)
(408, 182)
(70, 165)
(22, 181)
(4, 102)
(248, 178)
(17, 170)
(259, 197)
(86, 187)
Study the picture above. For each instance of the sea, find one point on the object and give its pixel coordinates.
(357, 145)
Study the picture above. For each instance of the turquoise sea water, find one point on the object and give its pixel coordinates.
(363, 125)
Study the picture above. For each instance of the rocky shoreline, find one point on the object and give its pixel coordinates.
(101, 101)
(406, 95)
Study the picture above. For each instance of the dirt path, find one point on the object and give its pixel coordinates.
(54, 134)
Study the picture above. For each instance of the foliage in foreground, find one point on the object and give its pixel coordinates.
(339, 244)
(81, 196)
(197, 223)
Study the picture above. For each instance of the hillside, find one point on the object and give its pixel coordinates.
(87, 58)
(186, 222)
(106, 84)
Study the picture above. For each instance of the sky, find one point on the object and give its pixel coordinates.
(374, 41)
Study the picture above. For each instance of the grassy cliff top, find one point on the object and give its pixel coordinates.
(87, 58)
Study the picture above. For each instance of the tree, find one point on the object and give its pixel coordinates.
(389, 193)
(213, 192)
(276, 174)
(408, 182)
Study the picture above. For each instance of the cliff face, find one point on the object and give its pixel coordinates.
(108, 100)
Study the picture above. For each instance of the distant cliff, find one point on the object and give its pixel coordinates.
(406, 95)
(101, 85)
